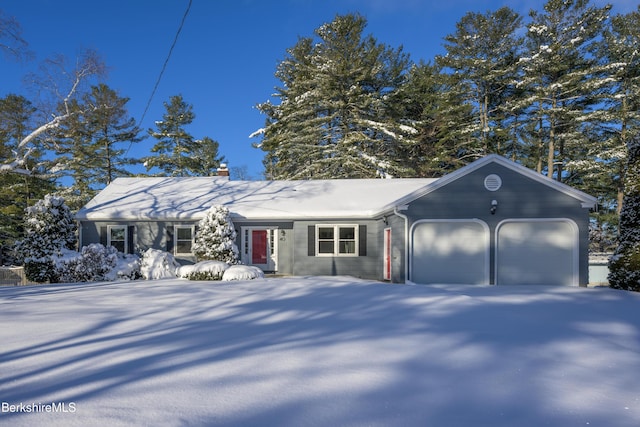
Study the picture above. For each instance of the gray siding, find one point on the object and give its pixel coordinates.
(367, 266)
(285, 237)
(518, 197)
(145, 235)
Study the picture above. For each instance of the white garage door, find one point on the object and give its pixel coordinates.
(451, 251)
(537, 252)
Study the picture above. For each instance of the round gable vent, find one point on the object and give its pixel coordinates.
(492, 182)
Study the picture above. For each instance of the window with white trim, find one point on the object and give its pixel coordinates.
(183, 239)
(336, 240)
(117, 237)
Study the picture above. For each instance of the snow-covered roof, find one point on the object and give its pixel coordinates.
(188, 198)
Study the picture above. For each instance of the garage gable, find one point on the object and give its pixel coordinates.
(496, 222)
(493, 174)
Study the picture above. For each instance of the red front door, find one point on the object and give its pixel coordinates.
(259, 247)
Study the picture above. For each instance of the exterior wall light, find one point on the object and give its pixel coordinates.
(494, 206)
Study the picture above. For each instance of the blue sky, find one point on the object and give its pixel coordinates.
(225, 58)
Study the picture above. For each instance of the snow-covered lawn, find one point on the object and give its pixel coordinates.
(318, 351)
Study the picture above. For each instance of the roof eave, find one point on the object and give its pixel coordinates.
(587, 201)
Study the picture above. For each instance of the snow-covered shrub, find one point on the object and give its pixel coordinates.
(215, 237)
(92, 264)
(156, 264)
(49, 228)
(242, 272)
(624, 265)
(203, 270)
(40, 270)
(127, 268)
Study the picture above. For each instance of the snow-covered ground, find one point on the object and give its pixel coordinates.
(318, 351)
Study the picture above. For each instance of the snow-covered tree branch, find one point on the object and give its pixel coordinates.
(87, 65)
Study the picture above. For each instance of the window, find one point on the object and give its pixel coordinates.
(183, 239)
(326, 240)
(117, 237)
(347, 240)
(339, 240)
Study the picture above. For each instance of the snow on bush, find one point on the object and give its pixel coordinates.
(156, 264)
(49, 228)
(204, 270)
(242, 272)
(92, 264)
(215, 237)
(127, 268)
(96, 263)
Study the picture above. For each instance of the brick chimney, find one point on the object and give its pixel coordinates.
(223, 170)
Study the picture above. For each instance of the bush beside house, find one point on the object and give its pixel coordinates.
(49, 229)
(215, 237)
(48, 251)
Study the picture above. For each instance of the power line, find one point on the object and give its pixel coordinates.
(166, 61)
(164, 67)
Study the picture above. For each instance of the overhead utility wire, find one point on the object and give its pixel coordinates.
(166, 61)
(164, 66)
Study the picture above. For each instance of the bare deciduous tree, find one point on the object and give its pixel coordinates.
(56, 85)
(11, 42)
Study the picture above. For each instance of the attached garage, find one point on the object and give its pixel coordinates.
(495, 222)
(450, 251)
(537, 251)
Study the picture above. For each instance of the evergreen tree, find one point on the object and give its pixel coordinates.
(426, 104)
(206, 158)
(112, 133)
(49, 228)
(560, 81)
(482, 55)
(624, 265)
(619, 121)
(215, 237)
(333, 120)
(91, 145)
(17, 190)
(178, 153)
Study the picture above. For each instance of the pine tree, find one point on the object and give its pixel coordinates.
(17, 191)
(482, 56)
(215, 237)
(426, 104)
(174, 142)
(92, 143)
(111, 131)
(559, 81)
(624, 265)
(178, 153)
(618, 120)
(333, 120)
(205, 154)
(49, 228)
